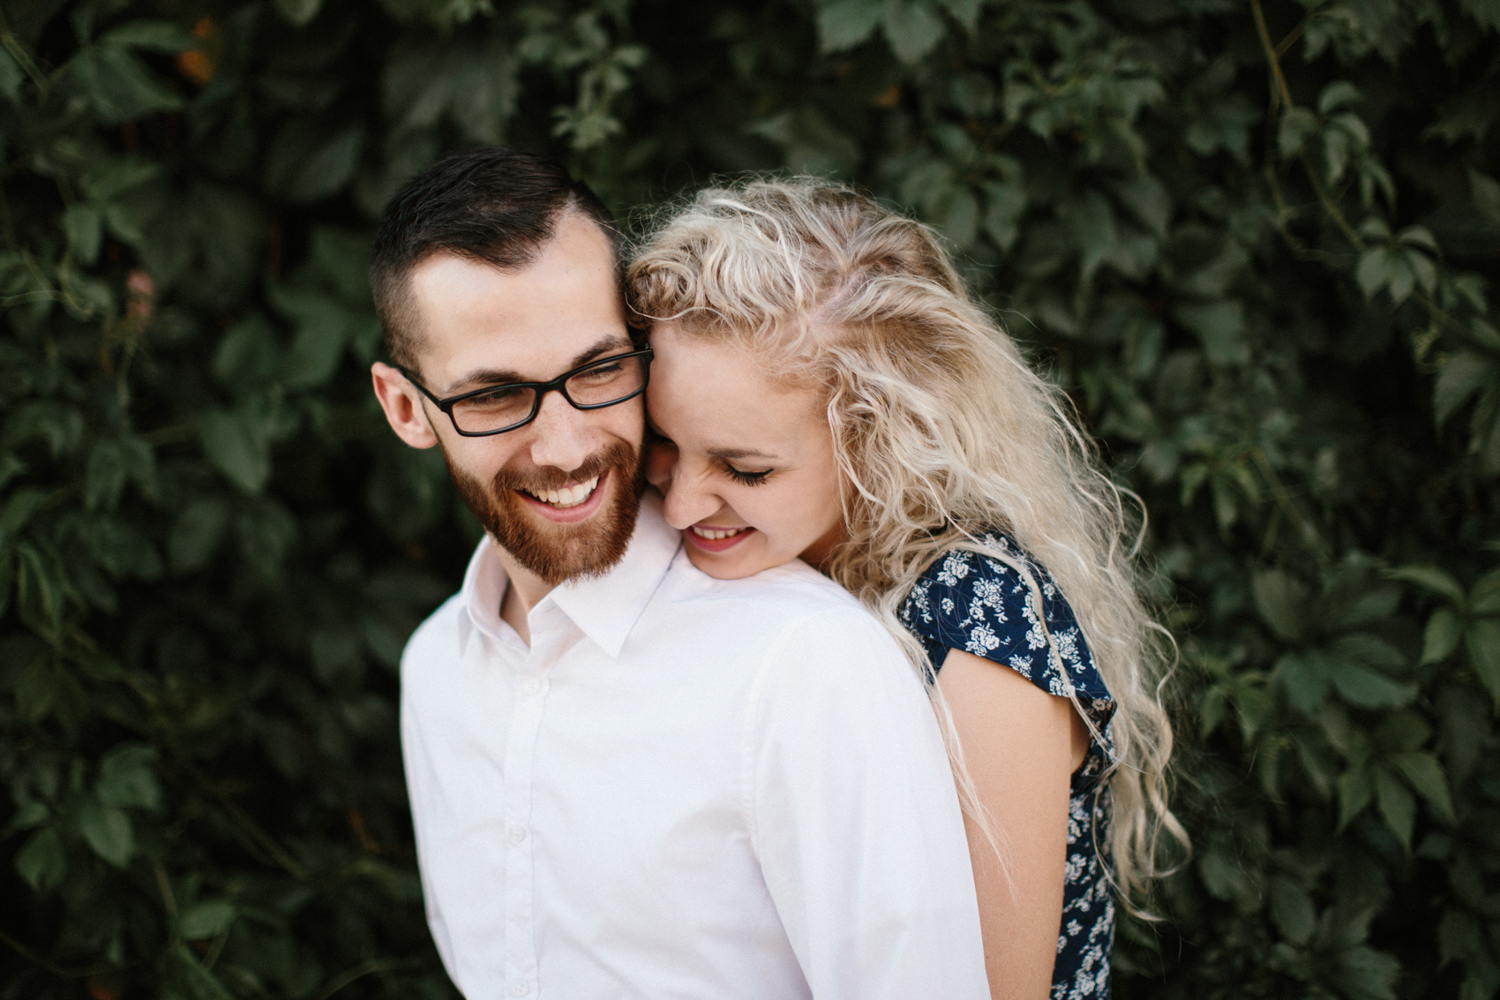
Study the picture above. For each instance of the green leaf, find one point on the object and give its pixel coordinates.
(1296, 127)
(238, 446)
(307, 163)
(42, 861)
(1374, 270)
(1432, 578)
(126, 778)
(1459, 936)
(1355, 792)
(117, 84)
(1397, 806)
(1339, 94)
(197, 534)
(1484, 598)
(206, 920)
(1461, 377)
(1147, 200)
(85, 230)
(1282, 603)
(1292, 909)
(1365, 974)
(1304, 676)
(1358, 685)
(1443, 632)
(912, 29)
(1006, 204)
(1482, 638)
(12, 77)
(965, 12)
(1425, 775)
(193, 979)
(1220, 327)
(1485, 193)
(846, 23)
(298, 12)
(107, 830)
(157, 36)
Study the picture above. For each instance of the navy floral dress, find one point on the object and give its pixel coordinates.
(983, 606)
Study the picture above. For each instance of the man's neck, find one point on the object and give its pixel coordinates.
(521, 594)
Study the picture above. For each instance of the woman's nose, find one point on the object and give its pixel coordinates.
(687, 498)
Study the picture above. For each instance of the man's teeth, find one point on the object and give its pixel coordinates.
(568, 496)
(713, 535)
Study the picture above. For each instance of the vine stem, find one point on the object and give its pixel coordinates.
(359, 972)
(18, 52)
(56, 970)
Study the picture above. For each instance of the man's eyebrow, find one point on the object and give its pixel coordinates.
(495, 376)
(741, 453)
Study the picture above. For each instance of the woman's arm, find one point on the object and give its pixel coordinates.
(1021, 745)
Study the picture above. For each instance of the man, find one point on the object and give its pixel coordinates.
(629, 779)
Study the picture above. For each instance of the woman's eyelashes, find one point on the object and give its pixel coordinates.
(748, 478)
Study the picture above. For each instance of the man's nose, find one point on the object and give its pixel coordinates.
(561, 436)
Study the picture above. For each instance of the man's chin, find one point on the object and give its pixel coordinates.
(549, 542)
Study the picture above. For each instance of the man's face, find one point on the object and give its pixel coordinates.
(480, 326)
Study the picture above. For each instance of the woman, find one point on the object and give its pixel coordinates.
(825, 388)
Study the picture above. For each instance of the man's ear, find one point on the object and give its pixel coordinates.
(402, 404)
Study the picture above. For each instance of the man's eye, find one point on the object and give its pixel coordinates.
(748, 478)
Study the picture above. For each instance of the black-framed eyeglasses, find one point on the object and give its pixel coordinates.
(496, 409)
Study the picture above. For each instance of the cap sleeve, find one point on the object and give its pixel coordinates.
(982, 605)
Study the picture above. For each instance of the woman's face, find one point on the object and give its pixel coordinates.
(748, 469)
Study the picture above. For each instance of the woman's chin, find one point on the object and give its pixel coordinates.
(734, 564)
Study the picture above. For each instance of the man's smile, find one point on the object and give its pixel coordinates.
(568, 496)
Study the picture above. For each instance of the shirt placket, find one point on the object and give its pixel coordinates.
(521, 979)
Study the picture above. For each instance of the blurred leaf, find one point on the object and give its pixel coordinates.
(1483, 640)
(107, 830)
(1426, 777)
(1432, 578)
(1282, 603)
(42, 862)
(239, 446)
(1441, 638)
(844, 24)
(912, 29)
(298, 12)
(1292, 909)
(205, 920)
(126, 778)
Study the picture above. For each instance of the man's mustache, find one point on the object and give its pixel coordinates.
(538, 478)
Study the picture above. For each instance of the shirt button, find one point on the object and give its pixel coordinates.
(517, 834)
(531, 686)
(519, 989)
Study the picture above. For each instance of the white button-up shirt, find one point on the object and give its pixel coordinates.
(684, 788)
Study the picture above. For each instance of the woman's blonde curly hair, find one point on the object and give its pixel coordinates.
(942, 430)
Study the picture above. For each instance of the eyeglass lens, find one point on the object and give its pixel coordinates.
(610, 381)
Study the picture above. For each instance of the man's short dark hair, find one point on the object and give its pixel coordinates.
(494, 205)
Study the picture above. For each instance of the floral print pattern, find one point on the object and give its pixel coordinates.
(982, 605)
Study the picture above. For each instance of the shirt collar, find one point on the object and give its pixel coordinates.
(604, 607)
(607, 607)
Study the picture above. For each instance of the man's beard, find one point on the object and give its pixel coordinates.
(559, 552)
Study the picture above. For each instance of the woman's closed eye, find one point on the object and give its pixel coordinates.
(747, 477)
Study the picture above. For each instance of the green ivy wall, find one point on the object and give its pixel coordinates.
(1257, 242)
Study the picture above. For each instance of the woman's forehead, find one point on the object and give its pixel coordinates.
(722, 396)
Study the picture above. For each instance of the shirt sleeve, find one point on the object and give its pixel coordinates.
(856, 820)
(982, 606)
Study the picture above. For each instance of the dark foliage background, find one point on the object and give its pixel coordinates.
(1256, 242)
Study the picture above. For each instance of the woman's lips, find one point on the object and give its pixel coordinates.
(711, 538)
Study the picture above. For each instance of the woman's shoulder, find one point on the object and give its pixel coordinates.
(982, 603)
